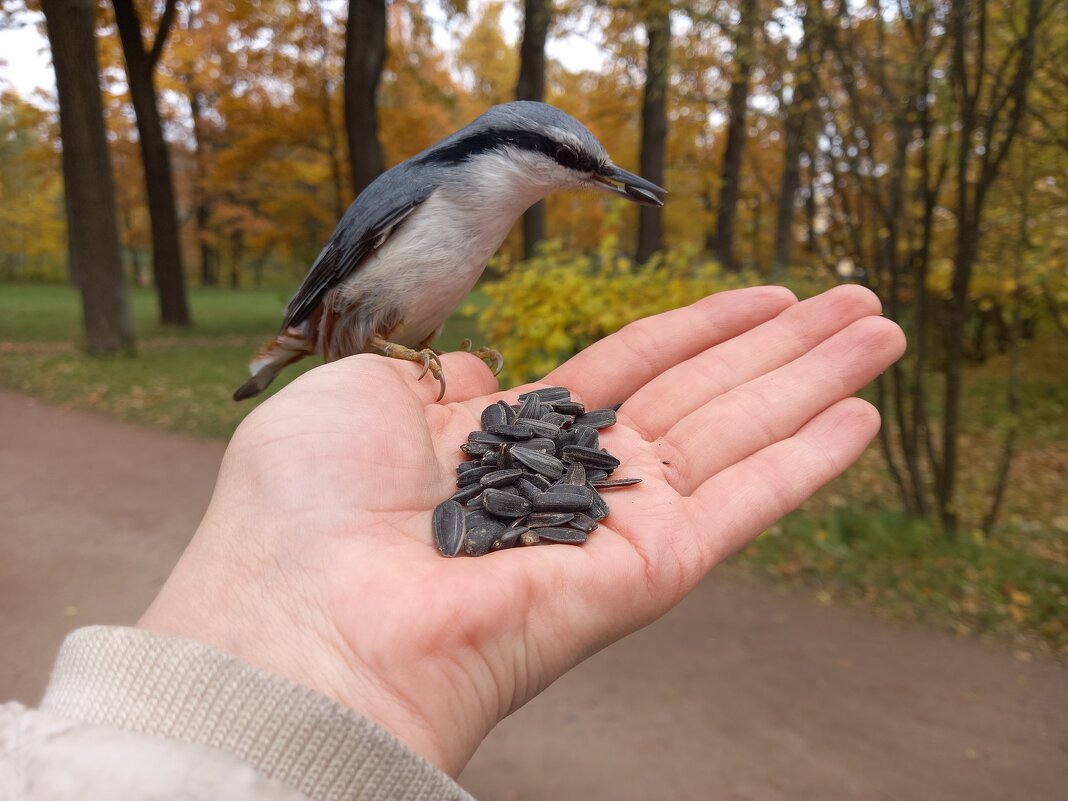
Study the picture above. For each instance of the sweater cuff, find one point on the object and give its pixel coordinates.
(155, 684)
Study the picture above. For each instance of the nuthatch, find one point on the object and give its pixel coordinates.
(415, 241)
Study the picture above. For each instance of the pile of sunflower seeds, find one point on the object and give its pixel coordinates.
(535, 475)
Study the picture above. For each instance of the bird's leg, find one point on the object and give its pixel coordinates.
(493, 359)
(424, 356)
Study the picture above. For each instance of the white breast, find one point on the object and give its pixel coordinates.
(434, 258)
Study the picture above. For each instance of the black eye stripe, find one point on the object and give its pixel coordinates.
(485, 141)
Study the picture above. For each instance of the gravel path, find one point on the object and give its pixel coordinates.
(742, 692)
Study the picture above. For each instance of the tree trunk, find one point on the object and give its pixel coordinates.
(93, 238)
(159, 184)
(365, 53)
(654, 123)
(794, 130)
(730, 186)
(537, 14)
(209, 274)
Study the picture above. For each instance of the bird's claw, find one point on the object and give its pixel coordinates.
(493, 359)
(426, 357)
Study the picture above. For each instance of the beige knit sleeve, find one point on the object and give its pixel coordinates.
(170, 687)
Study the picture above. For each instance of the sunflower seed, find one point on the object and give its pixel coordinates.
(568, 535)
(474, 476)
(614, 482)
(543, 429)
(504, 504)
(585, 437)
(599, 509)
(542, 444)
(539, 519)
(557, 419)
(500, 478)
(475, 504)
(509, 412)
(539, 462)
(562, 502)
(530, 408)
(548, 394)
(491, 459)
(477, 449)
(509, 538)
(601, 418)
(590, 457)
(467, 493)
(596, 474)
(484, 438)
(541, 482)
(572, 489)
(583, 522)
(493, 415)
(482, 530)
(527, 489)
(576, 474)
(504, 458)
(529, 538)
(517, 430)
(568, 407)
(463, 467)
(448, 524)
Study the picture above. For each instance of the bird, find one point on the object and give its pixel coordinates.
(416, 240)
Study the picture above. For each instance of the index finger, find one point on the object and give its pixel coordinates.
(612, 370)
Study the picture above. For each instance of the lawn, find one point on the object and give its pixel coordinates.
(847, 544)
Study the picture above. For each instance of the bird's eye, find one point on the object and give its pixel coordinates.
(567, 157)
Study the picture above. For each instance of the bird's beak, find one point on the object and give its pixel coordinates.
(633, 187)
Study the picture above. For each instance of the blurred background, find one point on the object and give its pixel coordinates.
(159, 206)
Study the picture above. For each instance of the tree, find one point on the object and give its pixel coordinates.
(657, 23)
(797, 115)
(923, 112)
(159, 183)
(744, 36)
(365, 53)
(93, 239)
(537, 15)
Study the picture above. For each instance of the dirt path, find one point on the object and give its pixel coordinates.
(740, 693)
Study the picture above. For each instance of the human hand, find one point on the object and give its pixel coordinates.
(315, 559)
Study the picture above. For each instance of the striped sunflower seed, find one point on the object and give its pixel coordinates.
(568, 535)
(504, 504)
(474, 476)
(493, 415)
(590, 457)
(500, 478)
(583, 522)
(601, 418)
(539, 462)
(539, 519)
(449, 528)
(562, 502)
(612, 483)
(548, 394)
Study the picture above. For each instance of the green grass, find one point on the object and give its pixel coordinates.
(901, 566)
(179, 378)
(844, 543)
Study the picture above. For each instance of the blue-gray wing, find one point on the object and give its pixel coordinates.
(364, 227)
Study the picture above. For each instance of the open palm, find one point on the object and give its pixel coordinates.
(316, 559)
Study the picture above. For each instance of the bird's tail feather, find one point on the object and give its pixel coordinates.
(273, 357)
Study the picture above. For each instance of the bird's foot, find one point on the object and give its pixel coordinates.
(493, 359)
(425, 356)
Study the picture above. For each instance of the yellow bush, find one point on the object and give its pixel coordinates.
(545, 310)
